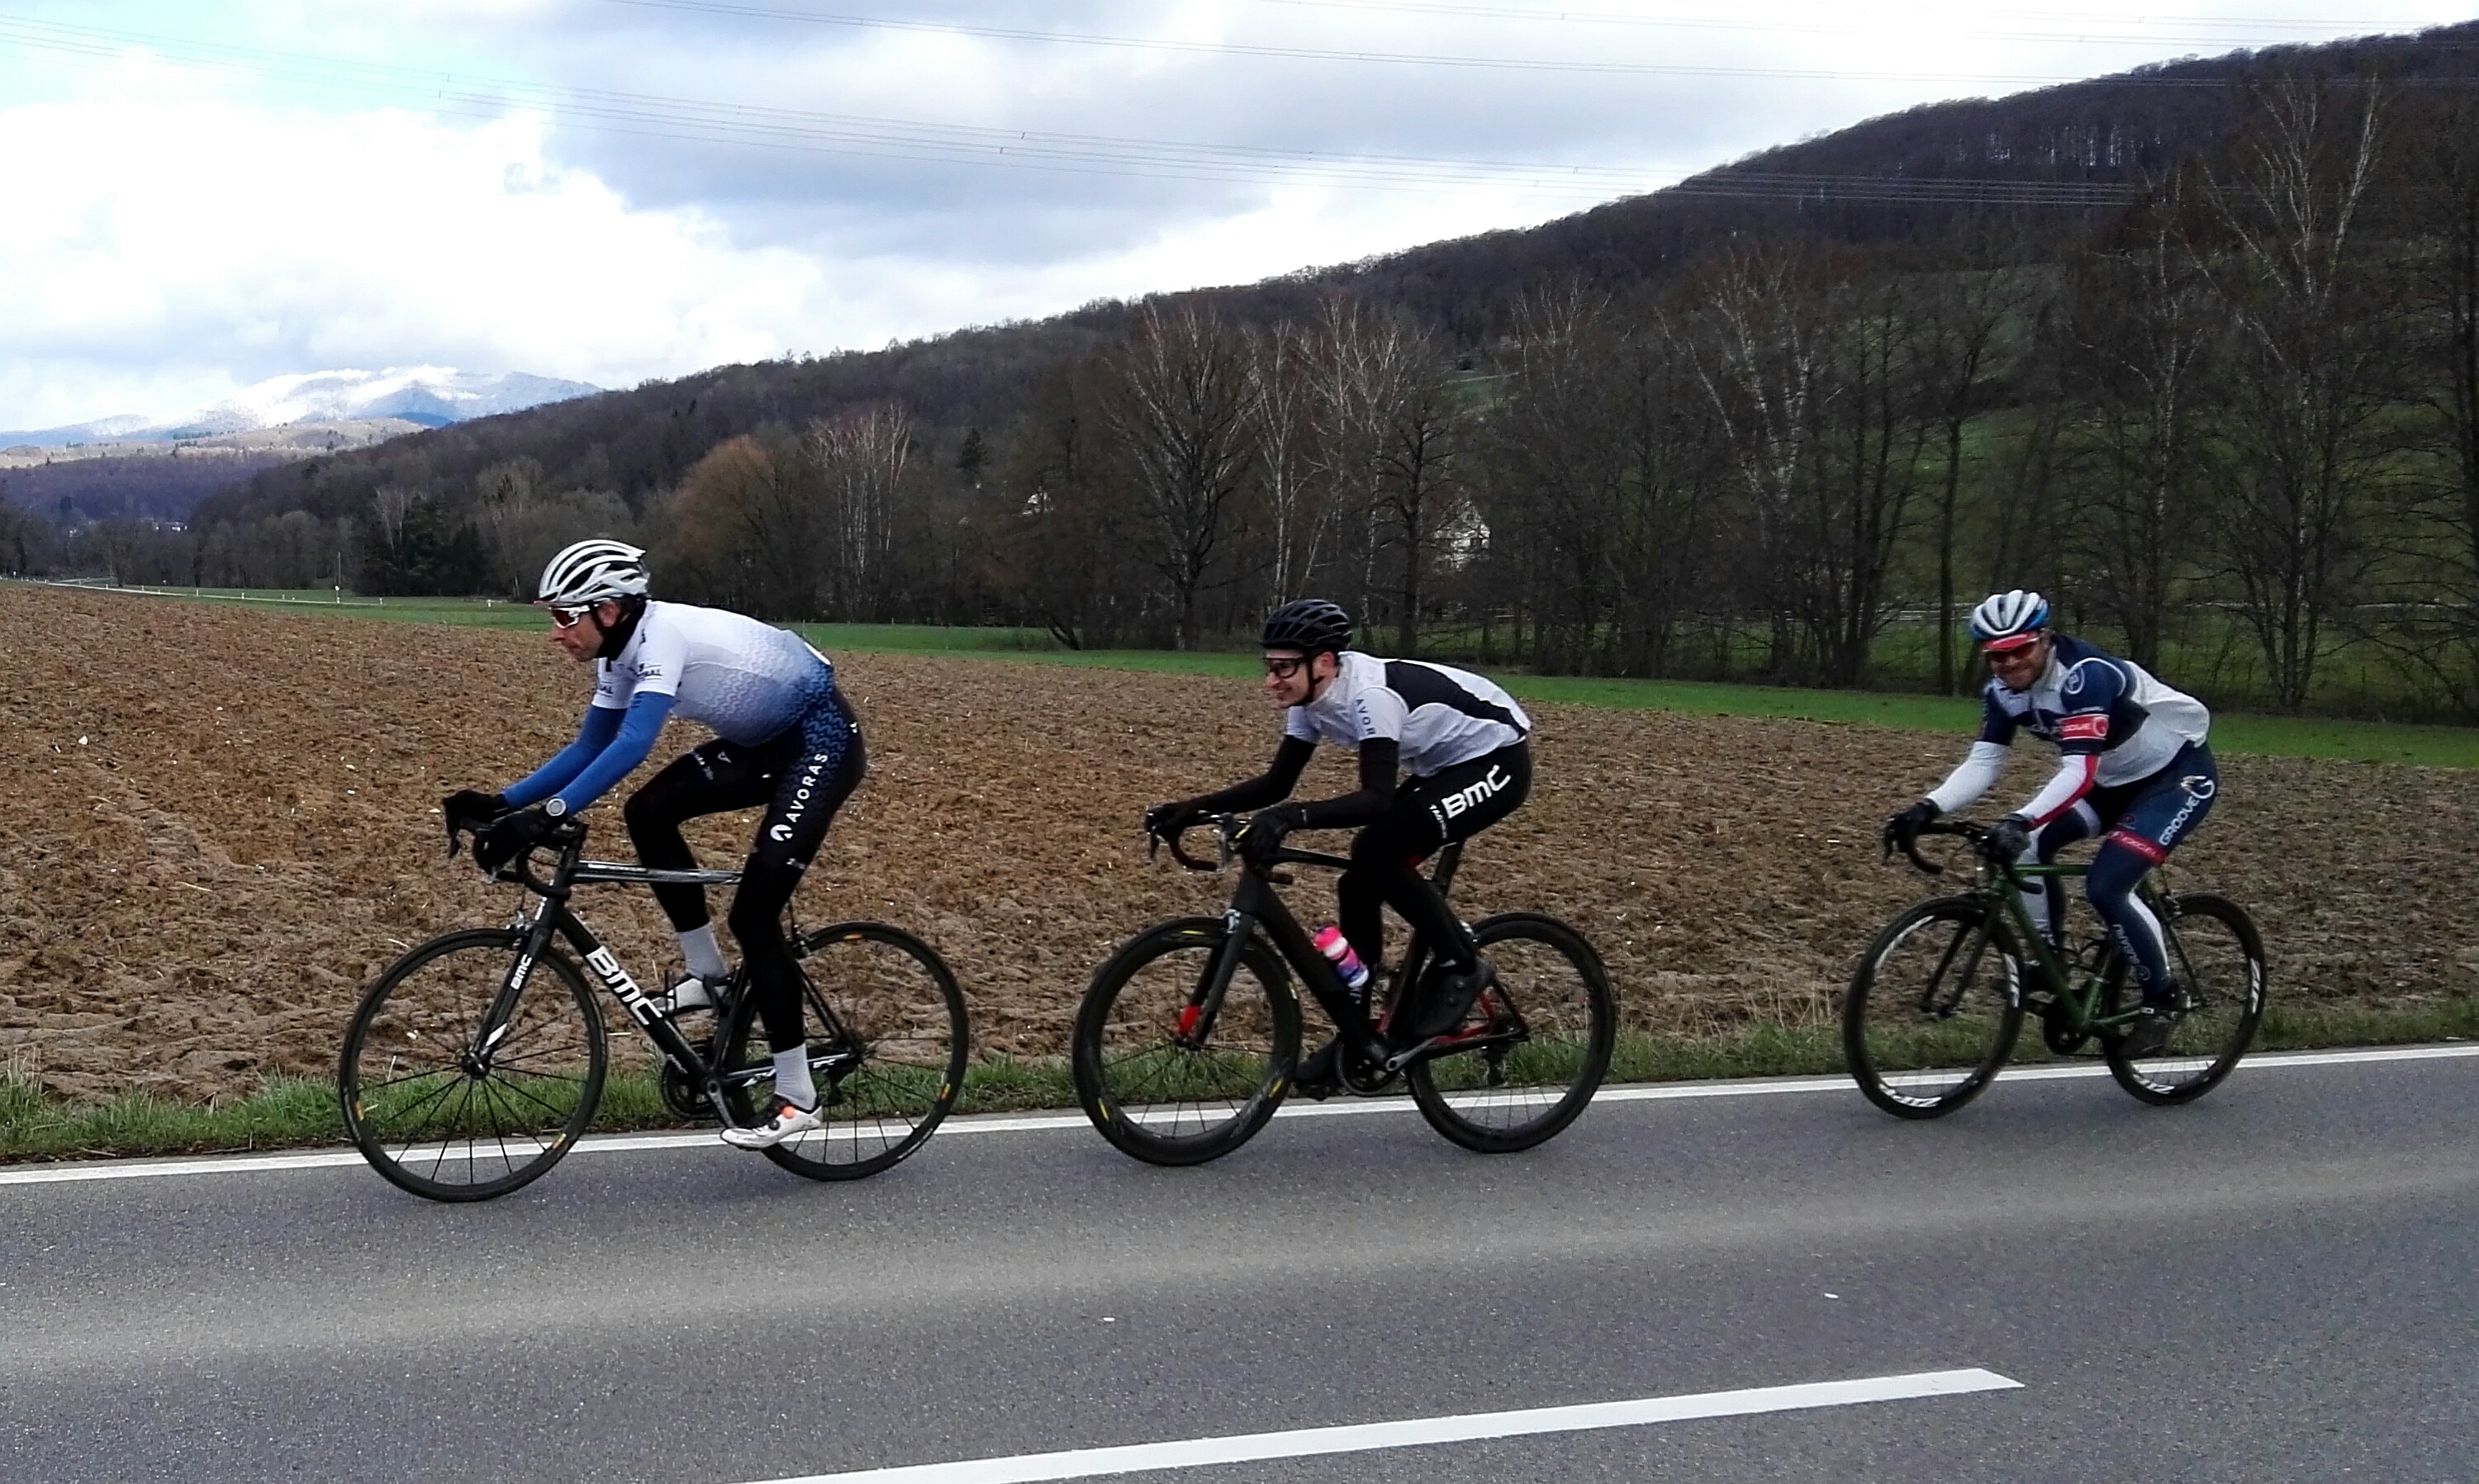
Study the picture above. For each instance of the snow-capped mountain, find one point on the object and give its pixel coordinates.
(429, 395)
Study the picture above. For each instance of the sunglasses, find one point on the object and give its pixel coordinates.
(1284, 670)
(569, 617)
(2005, 650)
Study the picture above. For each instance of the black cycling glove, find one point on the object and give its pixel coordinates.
(1265, 832)
(2010, 838)
(1903, 830)
(511, 836)
(470, 809)
(1164, 821)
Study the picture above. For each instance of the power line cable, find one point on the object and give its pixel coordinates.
(809, 131)
(738, 9)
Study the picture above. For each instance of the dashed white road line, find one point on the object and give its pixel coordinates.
(1420, 1432)
(1040, 1122)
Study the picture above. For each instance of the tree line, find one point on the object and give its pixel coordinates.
(2231, 426)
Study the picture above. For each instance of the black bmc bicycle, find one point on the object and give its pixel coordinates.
(1189, 1035)
(1937, 1003)
(480, 1057)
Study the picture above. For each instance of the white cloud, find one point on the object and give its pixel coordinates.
(178, 231)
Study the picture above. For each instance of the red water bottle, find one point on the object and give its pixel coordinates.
(1338, 951)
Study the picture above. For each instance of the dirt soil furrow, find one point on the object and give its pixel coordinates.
(225, 823)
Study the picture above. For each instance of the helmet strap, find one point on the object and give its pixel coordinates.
(622, 629)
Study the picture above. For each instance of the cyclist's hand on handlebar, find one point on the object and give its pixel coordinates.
(1165, 822)
(470, 809)
(2009, 838)
(511, 836)
(1264, 833)
(1903, 830)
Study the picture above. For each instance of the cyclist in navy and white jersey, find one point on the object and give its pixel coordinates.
(784, 739)
(2132, 762)
(1461, 739)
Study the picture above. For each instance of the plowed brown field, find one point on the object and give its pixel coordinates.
(224, 823)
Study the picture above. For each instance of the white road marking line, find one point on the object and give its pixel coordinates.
(1043, 1123)
(1420, 1432)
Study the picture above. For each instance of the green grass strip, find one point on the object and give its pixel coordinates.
(295, 1113)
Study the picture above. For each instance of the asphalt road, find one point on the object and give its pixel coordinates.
(2276, 1283)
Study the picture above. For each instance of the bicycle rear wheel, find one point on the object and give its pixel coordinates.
(1541, 1039)
(1933, 1008)
(2216, 956)
(445, 1120)
(887, 1043)
(1161, 1083)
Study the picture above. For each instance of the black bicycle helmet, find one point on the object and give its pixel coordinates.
(1310, 625)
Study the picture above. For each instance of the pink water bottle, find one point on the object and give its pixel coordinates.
(1337, 950)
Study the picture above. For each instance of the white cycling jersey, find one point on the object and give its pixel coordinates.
(1437, 714)
(746, 680)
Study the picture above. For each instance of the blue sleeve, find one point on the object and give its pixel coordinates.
(602, 725)
(628, 748)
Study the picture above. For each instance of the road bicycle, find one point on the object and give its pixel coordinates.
(1937, 1003)
(1189, 1035)
(478, 1057)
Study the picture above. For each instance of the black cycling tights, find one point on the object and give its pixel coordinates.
(1455, 803)
(803, 776)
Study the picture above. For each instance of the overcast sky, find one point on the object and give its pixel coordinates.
(203, 195)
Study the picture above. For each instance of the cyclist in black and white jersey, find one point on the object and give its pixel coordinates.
(1463, 742)
(784, 739)
(2132, 766)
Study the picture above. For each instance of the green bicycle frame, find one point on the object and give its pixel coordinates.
(2008, 881)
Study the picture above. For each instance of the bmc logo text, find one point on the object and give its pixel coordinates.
(617, 980)
(1460, 799)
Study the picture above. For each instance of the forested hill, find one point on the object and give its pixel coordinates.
(2194, 350)
(2061, 157)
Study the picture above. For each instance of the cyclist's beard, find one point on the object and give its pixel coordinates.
(615, 637)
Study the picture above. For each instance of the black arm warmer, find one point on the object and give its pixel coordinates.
(1282, 775)
(1375, 796)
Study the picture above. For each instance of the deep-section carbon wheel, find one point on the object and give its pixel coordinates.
(1933, 1008)
(446, 1109)
(2217, 957)
(1161, 1078)
(1540, 1041)
(887, 1043)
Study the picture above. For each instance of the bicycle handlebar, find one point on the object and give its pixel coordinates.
(566, 834)
(1226, 828)
(1977, 834)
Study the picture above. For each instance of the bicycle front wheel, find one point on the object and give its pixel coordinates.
(887, 1044)
(447, 1110)
(1541, 1039)
(2216, 956)
(1161, 1080)
(1933, 1008)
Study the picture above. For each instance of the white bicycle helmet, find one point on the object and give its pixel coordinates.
(2008, 620)
(591, 571)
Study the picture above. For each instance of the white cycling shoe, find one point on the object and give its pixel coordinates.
(789, 1119)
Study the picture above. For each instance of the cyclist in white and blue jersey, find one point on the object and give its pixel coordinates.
(784, 740)
(1463, 741)
(2131, 763)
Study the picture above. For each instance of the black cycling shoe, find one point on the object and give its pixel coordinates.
(1315, 1078)
(2149, 1034)
(1452, 997)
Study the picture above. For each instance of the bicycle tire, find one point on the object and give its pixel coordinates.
(2221, 969)
(1926, 1056)
(1559, 994)
(889, 1038)
(419, 1107)
(1163, 1101)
